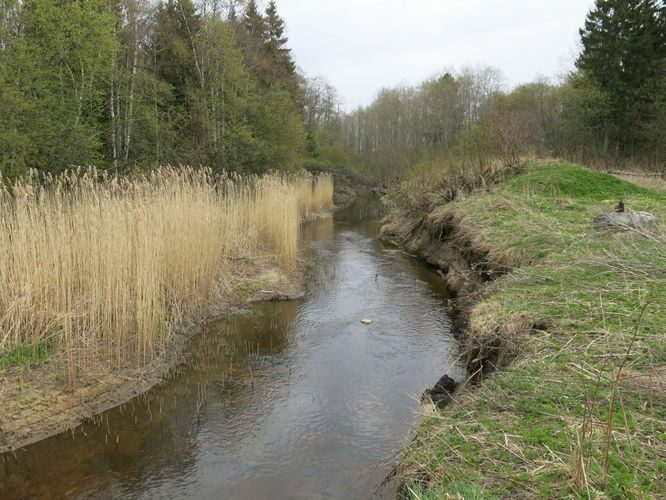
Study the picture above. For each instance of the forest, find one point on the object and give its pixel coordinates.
(129, 85)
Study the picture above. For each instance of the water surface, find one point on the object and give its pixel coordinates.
(297, 400)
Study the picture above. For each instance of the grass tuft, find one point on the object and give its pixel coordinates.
(26, 355)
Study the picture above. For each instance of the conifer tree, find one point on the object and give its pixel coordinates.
(232, 16)
(277, 41)
(254, 22)
(176, 25)
(624, 45)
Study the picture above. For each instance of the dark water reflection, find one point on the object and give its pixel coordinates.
(298, 400)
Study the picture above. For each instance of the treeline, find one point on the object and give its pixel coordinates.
(447, 114)
(131, 84)
(611, 109)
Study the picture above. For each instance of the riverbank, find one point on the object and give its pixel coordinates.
(38, 402)
(564, 340)
(97, 311)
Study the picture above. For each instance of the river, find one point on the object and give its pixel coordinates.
(295, 400)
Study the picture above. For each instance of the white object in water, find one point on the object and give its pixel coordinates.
(366, 321)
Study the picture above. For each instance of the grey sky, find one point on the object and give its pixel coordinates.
(363, 45)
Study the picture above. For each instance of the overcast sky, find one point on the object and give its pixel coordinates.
(363, 45)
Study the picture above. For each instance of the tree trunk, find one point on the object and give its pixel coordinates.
(114, 139)
(130, 106)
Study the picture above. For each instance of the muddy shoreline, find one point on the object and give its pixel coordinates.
(443, 241)
(528, 322)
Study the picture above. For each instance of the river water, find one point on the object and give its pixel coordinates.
(296, 400)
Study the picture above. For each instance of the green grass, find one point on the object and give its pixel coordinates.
(572, 181)
(25, 355)
(457, 489)
(539, 427)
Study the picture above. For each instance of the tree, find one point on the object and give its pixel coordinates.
(227, 135)
(176, 27)
(177, 64)
(275, 25)
(624, 45)
(254, 22)
(654, 127)
(54, 76)
(130, 84)
(133, 90)
(441, 114)
(285, 68)
(232, 14)
(10, 22)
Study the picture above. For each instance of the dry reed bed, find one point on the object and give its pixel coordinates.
(104, 268)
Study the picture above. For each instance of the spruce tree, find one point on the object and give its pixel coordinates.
(232, 16)
(176, 25)
(277, 41)
(624, 45)
(275, 25)
(254, 22)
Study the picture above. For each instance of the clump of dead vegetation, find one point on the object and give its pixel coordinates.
(443, 179)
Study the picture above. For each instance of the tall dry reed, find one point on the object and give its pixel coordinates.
(104, 267)
(315, 194)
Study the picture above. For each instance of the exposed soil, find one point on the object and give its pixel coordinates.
(443, 241)
(451, 240)
(39, 402)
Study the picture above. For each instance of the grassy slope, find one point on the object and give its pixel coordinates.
(539, 428)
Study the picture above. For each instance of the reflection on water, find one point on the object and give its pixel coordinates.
(297, 400)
